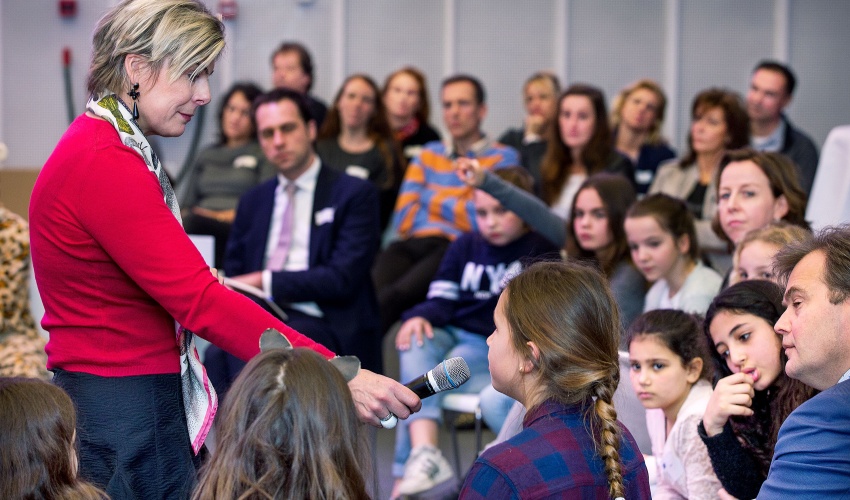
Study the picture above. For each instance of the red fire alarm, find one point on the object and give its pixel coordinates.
(67, 8)
(227, 9)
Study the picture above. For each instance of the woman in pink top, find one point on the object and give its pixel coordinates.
(123, 287)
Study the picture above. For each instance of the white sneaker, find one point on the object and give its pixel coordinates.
(425, 469)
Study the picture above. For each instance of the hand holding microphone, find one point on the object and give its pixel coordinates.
(450, 374)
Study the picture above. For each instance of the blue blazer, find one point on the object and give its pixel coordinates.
(342, 248)
(812, 454)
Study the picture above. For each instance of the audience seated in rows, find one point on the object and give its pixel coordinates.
(719, 123)
(754, 201)
(593, 233)
(455, 320)
(307, 237)
(434, 207)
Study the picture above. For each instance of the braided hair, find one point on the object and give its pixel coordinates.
(568, 312)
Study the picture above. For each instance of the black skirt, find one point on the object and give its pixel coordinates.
(132, 433)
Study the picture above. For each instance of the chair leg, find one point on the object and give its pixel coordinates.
(478, 432)
(450, 421)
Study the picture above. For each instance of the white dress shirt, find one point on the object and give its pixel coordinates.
(298, 257)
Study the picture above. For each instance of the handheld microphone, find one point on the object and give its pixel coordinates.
(450, 374)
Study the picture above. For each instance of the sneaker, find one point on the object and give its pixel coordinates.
(425, 469)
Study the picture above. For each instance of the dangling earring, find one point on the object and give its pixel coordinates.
(134, 94)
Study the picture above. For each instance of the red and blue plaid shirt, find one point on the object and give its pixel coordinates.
(554, 457)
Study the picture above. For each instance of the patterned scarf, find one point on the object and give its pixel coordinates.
(199, 397)
(407, 130)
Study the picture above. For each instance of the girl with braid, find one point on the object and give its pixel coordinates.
(554, 350)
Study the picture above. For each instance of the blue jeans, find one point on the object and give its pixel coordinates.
(495, 407)
(447, 343)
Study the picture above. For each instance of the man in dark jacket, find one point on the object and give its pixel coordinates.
(771, 90)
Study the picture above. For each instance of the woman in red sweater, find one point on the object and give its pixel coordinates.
(123, 287)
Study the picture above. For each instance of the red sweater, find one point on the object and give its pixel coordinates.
(115, 268)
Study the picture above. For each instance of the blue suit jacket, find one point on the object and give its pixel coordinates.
(812, 455)
(342, 249)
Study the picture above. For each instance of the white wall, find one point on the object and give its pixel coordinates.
(687, 45)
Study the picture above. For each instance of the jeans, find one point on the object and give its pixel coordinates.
(448, 342)
(495, 407)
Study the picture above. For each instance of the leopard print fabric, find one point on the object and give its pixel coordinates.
(21, 347)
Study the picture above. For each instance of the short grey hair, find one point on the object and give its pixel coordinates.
(182, 33)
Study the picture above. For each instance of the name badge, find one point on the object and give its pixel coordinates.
(324, 216)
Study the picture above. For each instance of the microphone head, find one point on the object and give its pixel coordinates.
(450, 374)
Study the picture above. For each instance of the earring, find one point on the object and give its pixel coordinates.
(134, 94)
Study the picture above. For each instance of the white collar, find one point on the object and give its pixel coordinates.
(307, 180)
(844, 377)
(476, 148)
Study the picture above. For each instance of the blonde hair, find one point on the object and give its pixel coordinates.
(778, 233)
(544, 77)
(652, 86)
(182, 33)
(567, 310)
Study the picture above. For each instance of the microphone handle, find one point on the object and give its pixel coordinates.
(421, 386)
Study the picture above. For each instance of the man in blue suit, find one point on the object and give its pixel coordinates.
(812, 454)
(307, 238)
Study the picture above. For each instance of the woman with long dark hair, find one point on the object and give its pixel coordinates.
(405, 97)
(357, 139)
(579, 146)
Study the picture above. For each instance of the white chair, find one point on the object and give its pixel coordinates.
(629, 409)
(455, 405)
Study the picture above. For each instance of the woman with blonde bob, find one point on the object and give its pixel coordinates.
(287, 430)
(636, 119)
(124, 288)
(554, 350)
